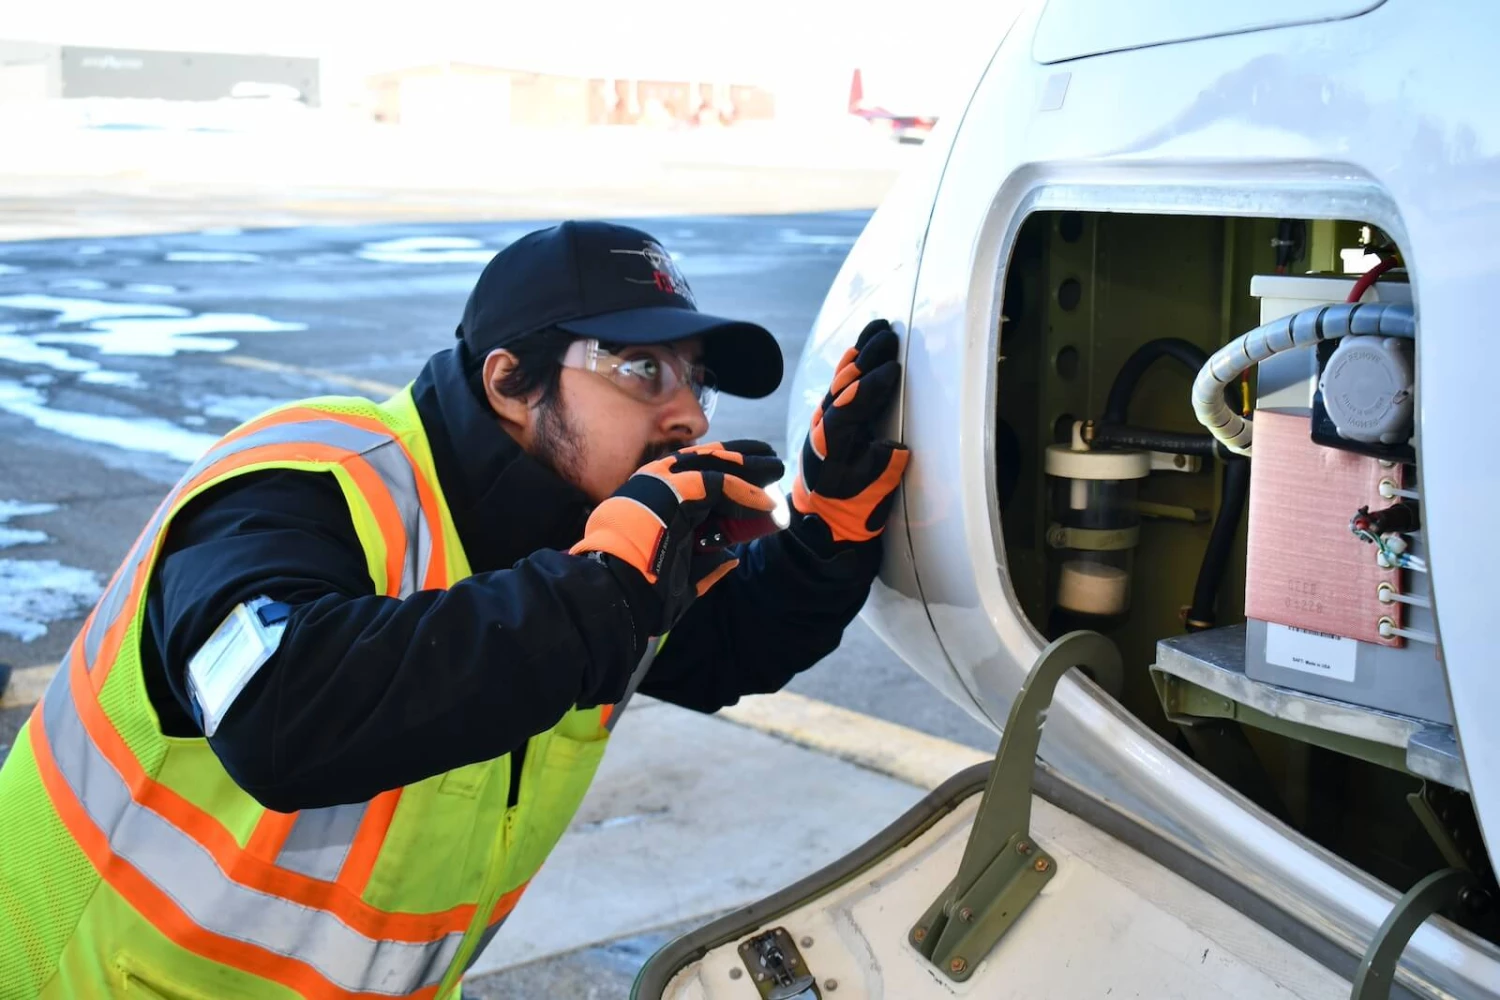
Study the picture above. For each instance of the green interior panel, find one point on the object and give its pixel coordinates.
(1083, 292)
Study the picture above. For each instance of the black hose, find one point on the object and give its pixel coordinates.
(1148, 439)
(1206, 591)
(1190, 355)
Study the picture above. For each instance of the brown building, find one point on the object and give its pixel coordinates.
(471, 92)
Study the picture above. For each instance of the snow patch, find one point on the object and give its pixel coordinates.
(212, 257)
(144, 434)
(22, 536)
(73, 310)
(133, 328)
(221, 231)
(128, 379)
(25, 351)
(36, 592)
(146, 288)
(166, 337)
(237, 408)
(79, 285)
(816, 239)
(11, 269)
(427, 250)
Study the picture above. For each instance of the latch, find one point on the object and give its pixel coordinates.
(778, 968)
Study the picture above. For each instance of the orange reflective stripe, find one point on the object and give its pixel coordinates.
(220, 843)
(383, 506)
(360, 862)
(604, 713)
(269, 834)
(437, 567)
(507, 903)
(163, 912)
(292, 415)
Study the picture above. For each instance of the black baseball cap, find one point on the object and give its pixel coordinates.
(616, 284)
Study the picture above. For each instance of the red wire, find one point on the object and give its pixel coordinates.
(1368, 278)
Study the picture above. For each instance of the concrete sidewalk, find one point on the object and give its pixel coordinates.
(691, 815)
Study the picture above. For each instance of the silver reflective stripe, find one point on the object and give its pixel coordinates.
(639, 675)
(320, 839)
(186, 872)
(390, 463)
(325, 431)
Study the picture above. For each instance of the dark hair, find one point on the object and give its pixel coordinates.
(538, 365)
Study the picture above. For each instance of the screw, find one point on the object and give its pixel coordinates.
(735, 973)
(760, 977)
(807, 942)
(1042, 864)
(1179, 460)
(966, 914)
(830, 985)
(957, 965)
(920, 934)
(1023, 848)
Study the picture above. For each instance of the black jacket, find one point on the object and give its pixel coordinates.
(368, 693)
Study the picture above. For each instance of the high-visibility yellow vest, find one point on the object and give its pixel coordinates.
(131, 864)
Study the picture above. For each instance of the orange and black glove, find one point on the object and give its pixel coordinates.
(848, 479)
(671, 523)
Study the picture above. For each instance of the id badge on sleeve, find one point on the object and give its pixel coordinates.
(239, 647)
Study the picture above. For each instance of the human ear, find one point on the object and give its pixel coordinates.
(514, 412)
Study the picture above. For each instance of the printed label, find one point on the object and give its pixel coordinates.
(1311, 652)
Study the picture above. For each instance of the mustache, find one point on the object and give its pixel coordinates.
(652, 452)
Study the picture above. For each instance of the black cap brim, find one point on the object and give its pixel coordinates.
(744, 357)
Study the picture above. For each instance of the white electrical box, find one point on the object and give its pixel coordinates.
(1285, 382)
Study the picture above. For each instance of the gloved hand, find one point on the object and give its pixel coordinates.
(847, 478)
(670, 524)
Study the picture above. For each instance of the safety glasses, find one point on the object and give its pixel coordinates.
(650, 373)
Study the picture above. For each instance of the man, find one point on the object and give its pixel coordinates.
(349, 687)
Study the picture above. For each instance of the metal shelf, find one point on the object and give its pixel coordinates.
(1202, 674)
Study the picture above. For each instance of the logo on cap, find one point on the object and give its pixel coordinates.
(664, 273)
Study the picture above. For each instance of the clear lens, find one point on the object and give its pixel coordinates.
(652, 374)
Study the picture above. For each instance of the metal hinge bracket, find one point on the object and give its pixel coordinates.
(1003, 868)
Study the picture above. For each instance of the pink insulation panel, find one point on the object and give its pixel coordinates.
(1305, 568)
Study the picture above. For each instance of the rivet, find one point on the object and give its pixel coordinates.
(957, 965)
(830, 984)
(760, 977)
(920, 934)
(736, 973)
(1042, 864)
(807, 942)
(1023, 848)
(966, 914)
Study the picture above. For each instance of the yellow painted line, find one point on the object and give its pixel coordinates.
(887, 747)
(27, 685)
(368, 385)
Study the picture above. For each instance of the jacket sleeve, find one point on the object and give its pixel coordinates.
(364, 692)
(780, 611)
